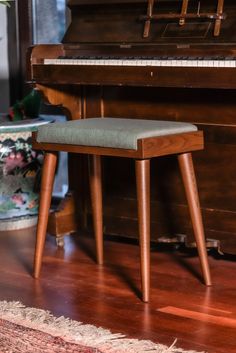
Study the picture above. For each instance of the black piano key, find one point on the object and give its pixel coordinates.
(165, 57)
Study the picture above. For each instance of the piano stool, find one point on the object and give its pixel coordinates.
(140, 140)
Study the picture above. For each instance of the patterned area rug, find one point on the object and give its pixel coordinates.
(29, 330)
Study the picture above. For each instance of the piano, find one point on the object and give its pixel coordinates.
(163, 59)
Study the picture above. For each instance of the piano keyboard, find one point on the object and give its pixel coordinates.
(168, 62)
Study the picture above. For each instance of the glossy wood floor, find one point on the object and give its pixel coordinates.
(71, 284)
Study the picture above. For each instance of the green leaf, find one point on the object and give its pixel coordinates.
(7, 3)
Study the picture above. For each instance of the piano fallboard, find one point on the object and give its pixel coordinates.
(197, 77)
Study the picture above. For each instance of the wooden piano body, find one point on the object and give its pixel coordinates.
(203, 94)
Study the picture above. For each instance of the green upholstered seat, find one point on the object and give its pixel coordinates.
(109, 132)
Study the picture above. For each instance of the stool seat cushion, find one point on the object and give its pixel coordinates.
(109, 132)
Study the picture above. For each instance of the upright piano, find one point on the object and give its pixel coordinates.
(163, 59)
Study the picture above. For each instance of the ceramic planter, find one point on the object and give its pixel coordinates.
(20, 168)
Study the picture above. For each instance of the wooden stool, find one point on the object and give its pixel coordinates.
(137, 139)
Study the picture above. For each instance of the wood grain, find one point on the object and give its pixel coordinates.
(213, 319)
(46, 187)
(147, 147)
(108, 299)
(142, 168)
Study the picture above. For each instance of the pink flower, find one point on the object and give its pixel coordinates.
(17, 199)
(32, 204)
(13, 161)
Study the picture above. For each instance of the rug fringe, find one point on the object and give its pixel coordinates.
(77, 332)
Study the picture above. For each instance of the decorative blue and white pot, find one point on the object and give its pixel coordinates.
(20, 168)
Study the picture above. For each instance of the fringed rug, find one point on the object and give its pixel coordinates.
(29, 330)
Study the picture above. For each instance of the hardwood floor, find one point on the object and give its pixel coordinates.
(71, 284)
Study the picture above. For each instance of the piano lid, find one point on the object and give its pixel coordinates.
(159, 22)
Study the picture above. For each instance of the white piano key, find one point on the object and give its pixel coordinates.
(153, 63)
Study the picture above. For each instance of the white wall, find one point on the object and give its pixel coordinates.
(4, 85)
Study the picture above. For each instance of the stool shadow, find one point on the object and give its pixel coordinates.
(116, 269)
(86, 248)
(15, 247)
(181, 259)
(180, 256)
(126, 279)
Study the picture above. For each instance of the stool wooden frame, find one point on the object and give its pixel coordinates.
(181, 144)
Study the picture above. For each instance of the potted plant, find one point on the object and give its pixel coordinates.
(20, 165)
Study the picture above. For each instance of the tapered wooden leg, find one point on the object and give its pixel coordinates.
(143, 199)
(48, 172)
(95, 179)
(189, 180)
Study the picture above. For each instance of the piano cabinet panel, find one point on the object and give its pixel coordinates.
(217, 189)
(202, 106)
(214, 111)
(169, 212)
